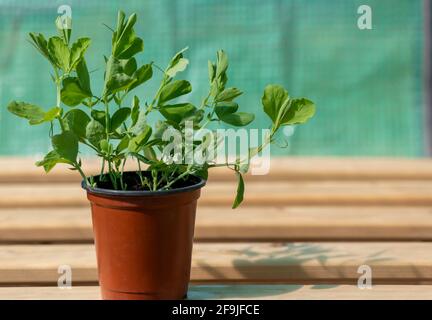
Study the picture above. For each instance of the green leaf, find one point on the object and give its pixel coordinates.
(177, 64)
(125, 43)
(127, 66)
(72, 94)
(123, 144)
(222, 63)
(51, 114)
(83, 76)
(141, 75)
(135, 46)
(179, 67)
(41, 44)
(211, 71)
(140, 124)
(120, 24)
(119, 74)
(240, 191)
(160, 127)
(95, 132)
(137, 142)
(300, 110)
(60, 52)
(217, 74)
(50, 160)
(135, 110)
(77, 121)
(119, 117)
(214, 89)
(99, 116)
(33, 113)
(228, 94)
(105, 146)
(66, 145)
(224, 108)
(238, 119)
(274, 98)
(115, 66)
(177, 112)
(28, 111)
(150, 154)
(174, 89)
(196, 117)
(64, 27)
(119, 82)
(226, 112)
(77, 52)
(125, 33)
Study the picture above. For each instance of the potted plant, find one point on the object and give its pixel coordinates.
(143, 220)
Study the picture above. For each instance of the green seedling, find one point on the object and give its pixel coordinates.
(116, 132)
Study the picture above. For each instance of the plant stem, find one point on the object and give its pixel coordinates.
(181, 176)
(119, 106)
(89, 145)
(162, 84)
(102, 169)
(204, 102)
(108, 156)
(81, 172)
(155, 178)
(140, 173)
(112, 175)
(122, 185)
(106, 120)
(58, 99)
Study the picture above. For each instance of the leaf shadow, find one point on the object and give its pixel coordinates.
(280, 269)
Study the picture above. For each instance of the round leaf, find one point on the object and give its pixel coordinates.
(72, 94)
(77, 121)
(177, 112)
(119, 117)
(300, 110)
(50, 160)
(238, 119)
(174, 89)
(95, 132)
(273, 100)
(66, 145)
(229, 94)
(224, 108)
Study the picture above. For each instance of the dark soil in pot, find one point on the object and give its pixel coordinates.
(132, 182)
(144, 239)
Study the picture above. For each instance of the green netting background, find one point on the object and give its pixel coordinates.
(367, 84)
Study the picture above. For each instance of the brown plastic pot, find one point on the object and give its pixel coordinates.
(144, 241)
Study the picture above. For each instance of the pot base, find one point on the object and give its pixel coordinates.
(116, 295)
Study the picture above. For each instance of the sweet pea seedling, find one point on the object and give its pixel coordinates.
(80, 117)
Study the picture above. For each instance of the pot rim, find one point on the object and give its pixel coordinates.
(144, 193)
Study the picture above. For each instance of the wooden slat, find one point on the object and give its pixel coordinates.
(243, 292)
(216, 224)
(325, 193)
(293, 263)
(16, 169)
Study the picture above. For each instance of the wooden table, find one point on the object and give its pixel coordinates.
(302, 232)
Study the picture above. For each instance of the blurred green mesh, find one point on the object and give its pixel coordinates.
(367, 84)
